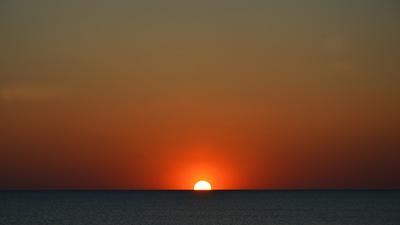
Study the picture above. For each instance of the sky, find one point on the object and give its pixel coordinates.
(153, 94)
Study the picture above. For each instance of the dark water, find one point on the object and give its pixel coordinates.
(189, 208)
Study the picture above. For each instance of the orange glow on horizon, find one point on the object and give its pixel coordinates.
(201, 164)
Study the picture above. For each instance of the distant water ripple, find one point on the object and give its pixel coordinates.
(191, 208)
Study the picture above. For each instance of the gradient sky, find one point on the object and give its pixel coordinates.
(154, 94)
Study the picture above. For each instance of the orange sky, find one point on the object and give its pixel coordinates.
(155, 95)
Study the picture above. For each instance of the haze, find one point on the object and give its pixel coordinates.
(160, 94)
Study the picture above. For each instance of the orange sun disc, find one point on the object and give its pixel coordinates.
(202, 186)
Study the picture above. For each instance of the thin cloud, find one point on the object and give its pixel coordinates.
(34, 93)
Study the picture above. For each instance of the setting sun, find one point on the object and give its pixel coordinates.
(202, 186)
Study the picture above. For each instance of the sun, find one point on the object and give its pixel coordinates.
(202, 186)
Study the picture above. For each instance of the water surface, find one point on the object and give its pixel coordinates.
(191, 208)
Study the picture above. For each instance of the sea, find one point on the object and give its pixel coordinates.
(194, 207)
